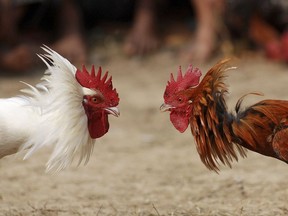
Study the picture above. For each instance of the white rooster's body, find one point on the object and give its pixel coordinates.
(13, 133)
(50, 114)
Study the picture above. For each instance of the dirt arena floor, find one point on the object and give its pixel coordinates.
(143, 166)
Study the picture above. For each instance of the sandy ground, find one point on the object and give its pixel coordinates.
(143, 166)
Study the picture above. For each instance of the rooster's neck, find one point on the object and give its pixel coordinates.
(211, 122)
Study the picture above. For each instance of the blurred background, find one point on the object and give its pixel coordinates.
(143, 166)
(195, 30)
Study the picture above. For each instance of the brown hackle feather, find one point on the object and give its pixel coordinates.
(208, 124)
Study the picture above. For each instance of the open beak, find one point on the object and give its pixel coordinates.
(165, 107)
(113, 110)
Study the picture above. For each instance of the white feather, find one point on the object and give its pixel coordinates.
(53, 115)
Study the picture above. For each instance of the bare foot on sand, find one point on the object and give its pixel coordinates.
(142, 39)
(23, 57)
(202, 47)
(73, 48)
(209, 24)
(20, 58)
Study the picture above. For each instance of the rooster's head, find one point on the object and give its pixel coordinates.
(99, 100)
(176, 99)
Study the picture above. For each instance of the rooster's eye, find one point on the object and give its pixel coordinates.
(95, 100)
(180, 99)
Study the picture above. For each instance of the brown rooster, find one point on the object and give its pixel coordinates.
(219, 134)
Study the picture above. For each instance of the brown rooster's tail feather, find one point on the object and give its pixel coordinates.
(240, 100)
(256, 127)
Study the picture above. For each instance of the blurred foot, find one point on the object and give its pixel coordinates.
(73, 48)
(202, 47)
(142, 39)
(209, 24)
(21, 58)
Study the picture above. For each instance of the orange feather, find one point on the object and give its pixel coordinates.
(220, 135)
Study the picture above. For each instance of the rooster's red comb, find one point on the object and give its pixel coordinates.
(190, 79)
(95, 81)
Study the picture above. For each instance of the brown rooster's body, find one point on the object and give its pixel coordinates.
(219, 134)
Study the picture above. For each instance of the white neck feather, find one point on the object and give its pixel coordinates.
(63, 119)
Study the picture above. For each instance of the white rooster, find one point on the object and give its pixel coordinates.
(68, 109)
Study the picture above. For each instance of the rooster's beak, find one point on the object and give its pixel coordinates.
(165, 107)
(113, 110)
